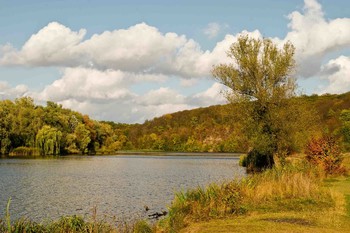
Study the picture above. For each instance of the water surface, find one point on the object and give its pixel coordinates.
(117, 185)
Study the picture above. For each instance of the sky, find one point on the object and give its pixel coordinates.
(130, 60)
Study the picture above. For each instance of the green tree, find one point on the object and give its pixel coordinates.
(345, 129)
(6, 119)
(25, 125)
(49, 140)
(260, 85)
(70, 144)
(82, 137)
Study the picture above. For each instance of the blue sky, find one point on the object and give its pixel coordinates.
(129, 61)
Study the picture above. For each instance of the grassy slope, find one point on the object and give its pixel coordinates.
(323, 220)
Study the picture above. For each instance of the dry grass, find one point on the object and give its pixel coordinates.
(293, 187)
(282, 183)
(289, 201)
(287, 222)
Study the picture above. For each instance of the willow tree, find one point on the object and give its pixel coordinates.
(49, 140)
(260, 82)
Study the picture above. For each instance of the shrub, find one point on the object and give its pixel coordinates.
(200, 204)
(243, 160)
(325, 152)
(25, 151)
(257, 161)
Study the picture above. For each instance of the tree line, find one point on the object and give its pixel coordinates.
(30, 129)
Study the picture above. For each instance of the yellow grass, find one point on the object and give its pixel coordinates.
(285, 189)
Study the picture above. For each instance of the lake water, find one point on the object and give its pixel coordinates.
(116, 185)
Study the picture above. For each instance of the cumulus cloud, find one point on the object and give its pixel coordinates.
(315, 37)
(337, 72)
(169, 53)
(83, 83)
(126, 110)
(212, 95)
(53, 45)
(156, 53)
(99, 73)
(163, 95)
(138, 48)
(107, 95)
(8, 92)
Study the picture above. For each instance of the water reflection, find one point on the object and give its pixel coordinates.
(116, 185)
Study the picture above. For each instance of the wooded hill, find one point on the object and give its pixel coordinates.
(29, 129)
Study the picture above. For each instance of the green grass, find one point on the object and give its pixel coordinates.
(272, 223)
(74, 224)
(279, 190)
(335, 218)
(293, 199)
(347, 199)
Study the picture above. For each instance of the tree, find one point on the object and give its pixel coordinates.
(25, 125)
(49, 140)
(325, 152)
(261, 86)
(82, 136)
(345, 129)
(6, 119)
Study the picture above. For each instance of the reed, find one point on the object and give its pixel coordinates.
(73, 224)
(291, 187)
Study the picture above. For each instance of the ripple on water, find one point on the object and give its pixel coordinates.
(116, 185)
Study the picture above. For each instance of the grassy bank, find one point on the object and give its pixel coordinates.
(296, 198)
(74, 224)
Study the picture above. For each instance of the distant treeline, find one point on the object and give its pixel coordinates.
(30, 129)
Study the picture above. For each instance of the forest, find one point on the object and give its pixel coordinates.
(29, 129)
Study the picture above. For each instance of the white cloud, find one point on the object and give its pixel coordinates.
(100, 72)
(87, 84)
(337, 72)
(83, 84)
(163, 95)
(107, 95)
(212, 30)
(156, 53)
(138, 48)
(8, 92)
(169, 53)
(129, 111)
(53, 45)
(315, 37)
(213, 95)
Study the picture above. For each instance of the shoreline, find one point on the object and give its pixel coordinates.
(134, 153)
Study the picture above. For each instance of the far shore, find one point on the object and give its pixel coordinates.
(134, 153)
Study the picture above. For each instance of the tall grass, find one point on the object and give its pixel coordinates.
(284, 183)
(290, 187)
(74, 224)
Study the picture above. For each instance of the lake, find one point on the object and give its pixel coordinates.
(116, 185)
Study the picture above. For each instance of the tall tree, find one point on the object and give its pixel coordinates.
(82, 136)
(49, 140)
(6, 119)
(345, 129)
(261, 86)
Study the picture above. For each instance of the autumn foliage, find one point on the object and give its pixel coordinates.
(325, 152)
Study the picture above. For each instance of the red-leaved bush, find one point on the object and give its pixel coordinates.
(325, 152)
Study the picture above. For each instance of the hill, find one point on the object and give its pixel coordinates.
(26, 128)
